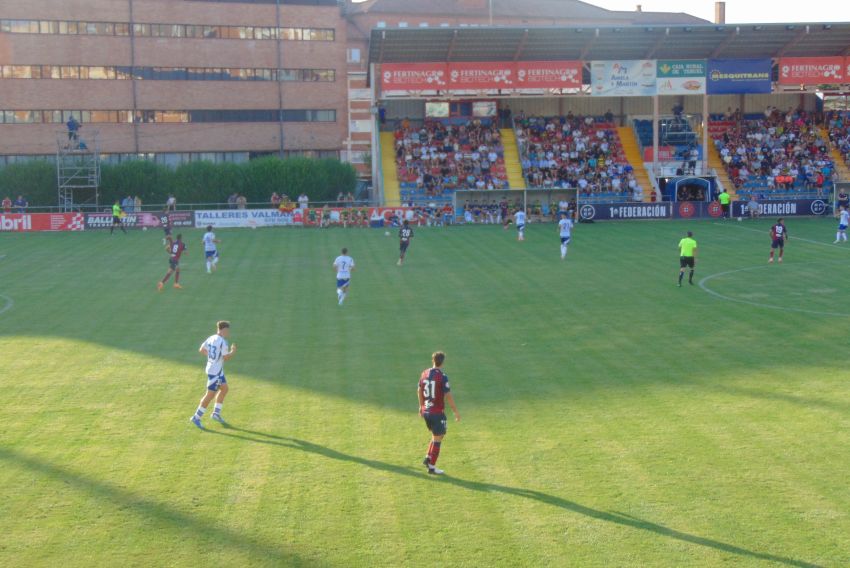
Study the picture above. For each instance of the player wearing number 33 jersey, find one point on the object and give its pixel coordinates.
(434, 392)
(217, 351)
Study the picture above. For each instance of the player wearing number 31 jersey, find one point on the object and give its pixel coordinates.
(434, 391)
(217, 351)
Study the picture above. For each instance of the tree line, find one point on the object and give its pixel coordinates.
(193, 182)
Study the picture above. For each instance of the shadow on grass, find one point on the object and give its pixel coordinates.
(803, 401)
(545, 498)
(161, 513)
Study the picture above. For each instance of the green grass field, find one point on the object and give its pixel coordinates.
(609, 418)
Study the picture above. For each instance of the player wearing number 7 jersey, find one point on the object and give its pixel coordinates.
(216, 350)
(434, 391)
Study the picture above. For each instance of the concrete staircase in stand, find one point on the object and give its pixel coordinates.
(513, 166)
(631, 149)
(715, 162)
(392, 189)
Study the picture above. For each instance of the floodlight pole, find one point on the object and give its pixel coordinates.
(705, 134)
(655, 116)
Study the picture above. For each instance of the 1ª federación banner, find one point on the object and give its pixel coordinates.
(681, 76)
(739, 76)
(633, 78)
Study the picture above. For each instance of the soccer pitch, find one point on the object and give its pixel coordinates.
(609, 417)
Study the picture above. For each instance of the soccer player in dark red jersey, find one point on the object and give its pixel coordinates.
(778, 235)
(433, 391)
(175, 251)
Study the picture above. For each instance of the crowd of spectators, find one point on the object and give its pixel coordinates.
(438, 156)
(575, 152)
(838, 126)
(781, 151)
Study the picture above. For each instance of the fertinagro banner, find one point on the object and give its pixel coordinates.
(739, 76)
(681, 76)
(633, 78)
(413, 76)
(811, 70)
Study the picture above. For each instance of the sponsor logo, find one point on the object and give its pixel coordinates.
(818, 207)
(15, 223)
(464, 76)
(687, 210)
(587, 212)
(715, 209)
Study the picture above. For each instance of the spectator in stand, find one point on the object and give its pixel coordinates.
(609, 117)
(127, 204)
(137, 204)
(171, 203)
(340, 199)
(303, 201)
(241, 202)
(231, 200)
(753, 206)
(21, 204)
(7, 204)
(275, 200)
(637, 192)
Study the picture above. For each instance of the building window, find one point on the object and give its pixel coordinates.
(354, 55)
(167, 116)
(165, 30)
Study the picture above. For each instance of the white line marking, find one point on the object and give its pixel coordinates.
(702, 285)
(10, 303)
(767, 233)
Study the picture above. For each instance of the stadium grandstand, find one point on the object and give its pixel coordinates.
(611, 113)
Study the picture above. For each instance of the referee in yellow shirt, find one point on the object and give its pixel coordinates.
(687, 257)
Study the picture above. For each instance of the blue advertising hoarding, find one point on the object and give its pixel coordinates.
(739, 76)
(618, 211)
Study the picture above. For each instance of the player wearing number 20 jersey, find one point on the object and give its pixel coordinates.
(434, 392)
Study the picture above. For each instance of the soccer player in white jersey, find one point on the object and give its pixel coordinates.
(343, 265)
(210, 249)
(519, 219)
(843, 221)
(565, 229)
(217, 351)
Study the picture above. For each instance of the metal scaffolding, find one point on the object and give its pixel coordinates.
(78, 170)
